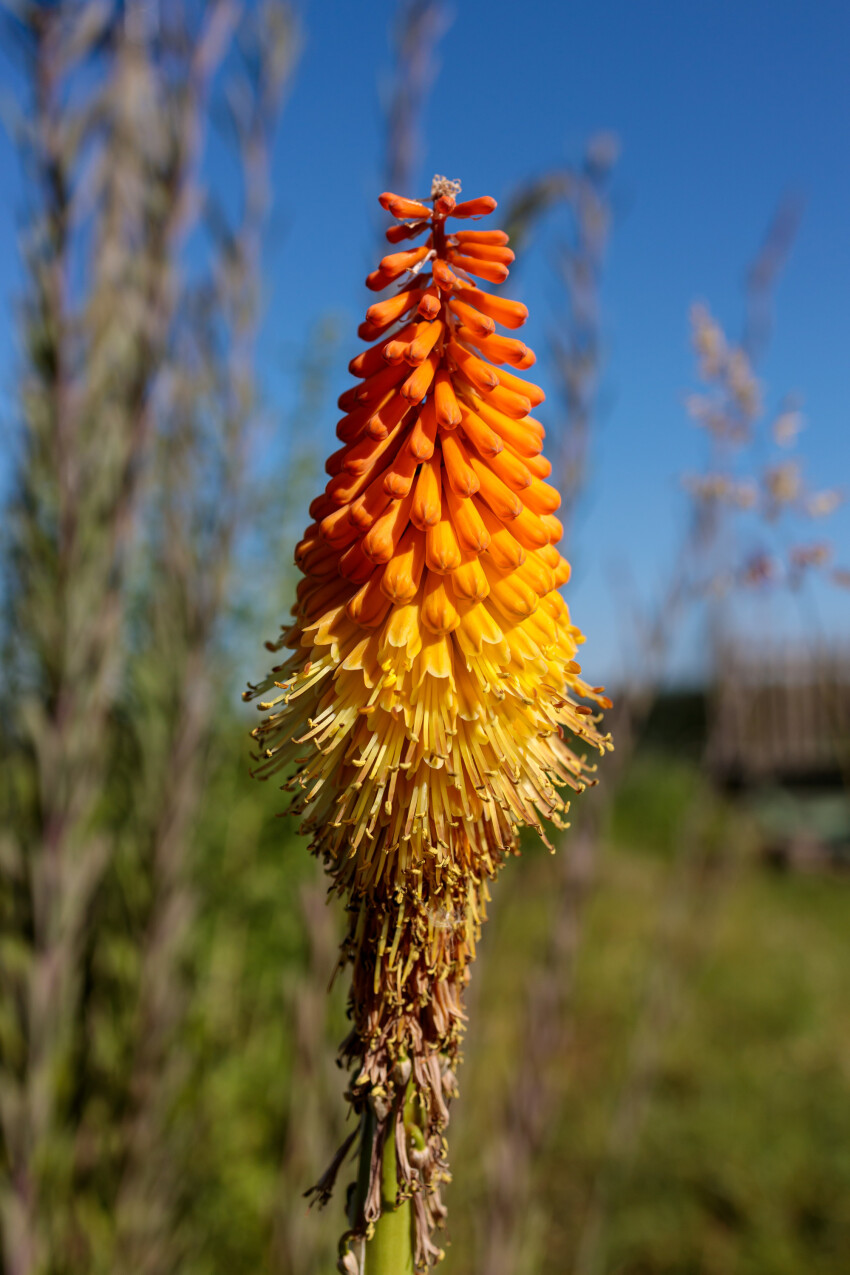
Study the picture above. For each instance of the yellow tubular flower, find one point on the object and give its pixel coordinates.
(430, 704)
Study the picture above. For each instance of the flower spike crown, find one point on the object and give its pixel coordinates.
(428, 709)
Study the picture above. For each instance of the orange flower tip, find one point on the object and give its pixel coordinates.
(470, 582)
(397, 593)
(421, 443)
(425, 516)
(492, 271)
(562, 573)
(444, 206)
(475, 371)
(377, 280)
(417, 384)
(354, 565)
(481, 207)
(472, 318)
(428, 334)
(368, 363)
(541, 498)
(376, 318)
(407, 230)
(320, 507)
(486, 443)
(396, 485)
(445, 402)
(394, 351)
(439, 614)
(531, 534)
(445, 278)
(538, 466)
(334, 463)
(398, 206)
(379, 549)
(424, 433)
(442, 552)
(501, 349)
(369, 605)
(429, 307)
(495, 238)
(397, 262)
(383, 313)
(518, 477)
(483, 252)
(511, 314)
(554, 526)
(526, 389)
(514, 405)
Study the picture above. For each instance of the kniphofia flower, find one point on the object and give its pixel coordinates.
(431, 704)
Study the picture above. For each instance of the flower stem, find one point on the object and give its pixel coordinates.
(390, 1250)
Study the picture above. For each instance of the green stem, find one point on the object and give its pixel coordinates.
(390, 1251)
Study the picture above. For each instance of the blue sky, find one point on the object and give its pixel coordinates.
(720, 109)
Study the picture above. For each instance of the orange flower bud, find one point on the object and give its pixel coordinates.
(472, 318)
(485, 440)
(497, 237)
(427, 336)
(482, 252)
(481, 207)
(397, 262)
(439, 613)
(442, 551)
(427, 503)
(383, 313)
(459, 471)
(493, 271)
(409, 230)
(400, 207)
(507, 466)
(424, 432)
(416, 386)
(472, 533)
(469, 581)
(402, 574)
(511, 314)
(504, 503)
(446, 405)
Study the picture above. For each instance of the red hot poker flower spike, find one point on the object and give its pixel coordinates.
(427, 708)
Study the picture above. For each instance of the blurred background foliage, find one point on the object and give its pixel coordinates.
(658, 1063)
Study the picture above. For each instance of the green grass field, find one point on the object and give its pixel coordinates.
(702, 1113)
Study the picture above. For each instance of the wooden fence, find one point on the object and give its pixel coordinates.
(781, 714)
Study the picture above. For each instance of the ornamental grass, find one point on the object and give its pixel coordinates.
(430, 703)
